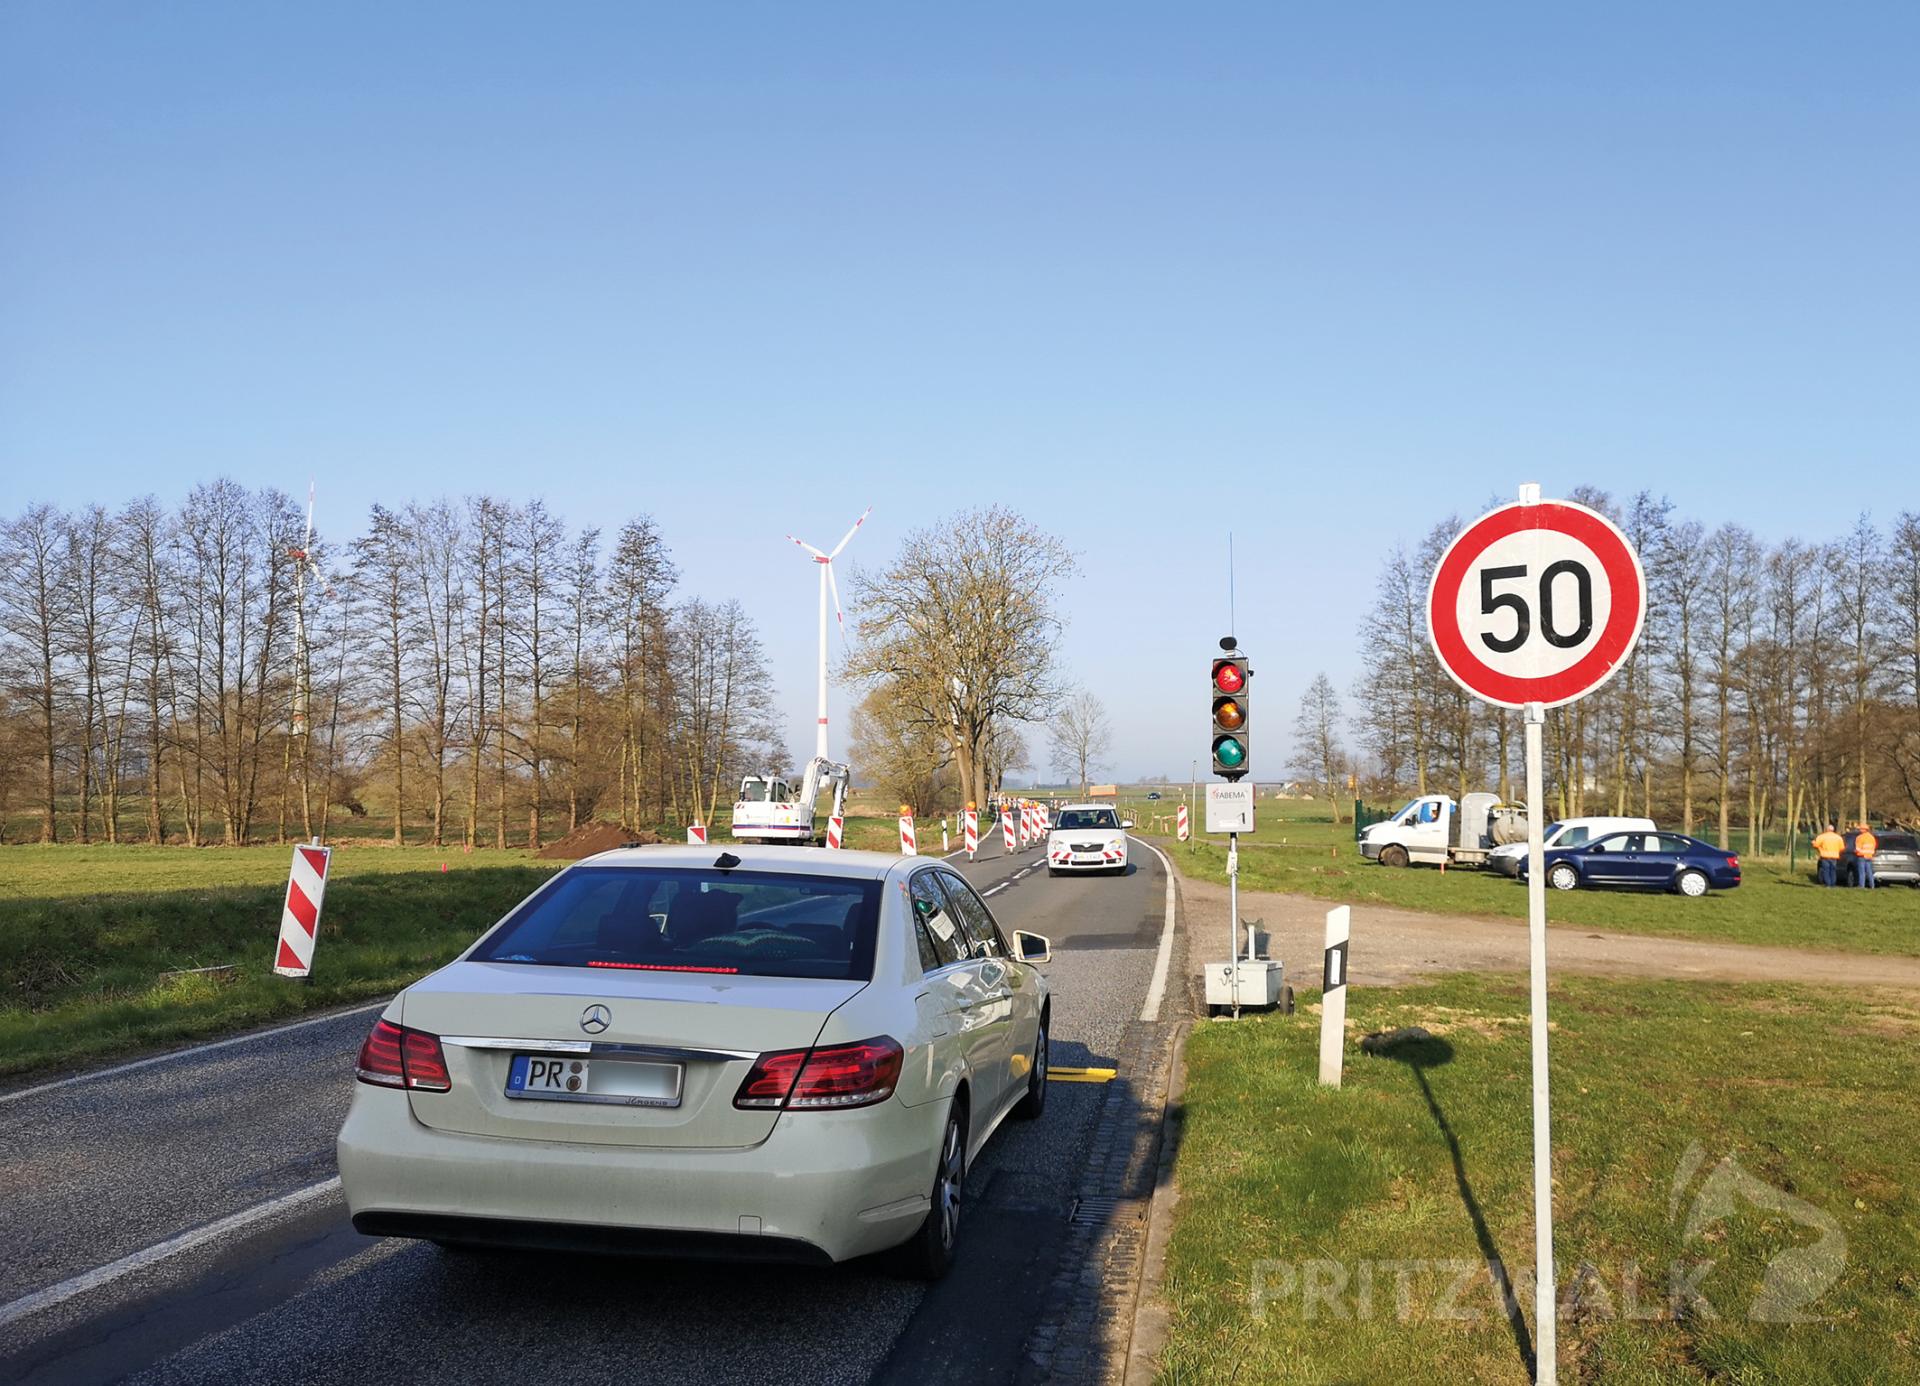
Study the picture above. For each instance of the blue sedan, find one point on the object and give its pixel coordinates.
(1647, 861)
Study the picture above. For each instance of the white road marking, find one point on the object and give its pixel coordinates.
(994, 890)
(1157, 987)
(185, 1053)
(161, 1251)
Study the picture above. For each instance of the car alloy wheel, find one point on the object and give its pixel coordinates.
(1034, 1101)
(1693, 883)
(947, 1185)
(1563, 877)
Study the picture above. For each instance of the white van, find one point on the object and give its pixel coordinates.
(1568, 832)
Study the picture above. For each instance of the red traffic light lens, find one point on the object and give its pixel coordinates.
(1229, 714)
(1228, 678)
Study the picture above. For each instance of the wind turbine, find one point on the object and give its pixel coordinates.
(825, 560)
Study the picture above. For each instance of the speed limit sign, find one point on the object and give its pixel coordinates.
(1536, 603)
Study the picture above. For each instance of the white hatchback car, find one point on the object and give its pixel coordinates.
(763, 1052)
(1087, 837)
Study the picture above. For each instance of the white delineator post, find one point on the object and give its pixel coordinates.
(908, 846)
(1544, 1345)
(1333, 995)
(300, 913)
(971, 832)
(696, 834)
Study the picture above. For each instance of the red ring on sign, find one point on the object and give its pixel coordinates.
(1624, 578)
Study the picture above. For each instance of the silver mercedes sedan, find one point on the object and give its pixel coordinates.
(759, 1052)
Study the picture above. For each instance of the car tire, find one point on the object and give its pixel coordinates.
(1692, 884)
(1034, 1102)
(928, 1255)
(1051, 873)
(1562, 877)
(1394, 856)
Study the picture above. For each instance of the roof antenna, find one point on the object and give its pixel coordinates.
(726, 861)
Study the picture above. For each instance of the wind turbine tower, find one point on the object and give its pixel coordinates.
(827, 584)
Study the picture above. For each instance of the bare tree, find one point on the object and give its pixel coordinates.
(1082, 737)
(963, 629)
(34, 557)
(1319, 756)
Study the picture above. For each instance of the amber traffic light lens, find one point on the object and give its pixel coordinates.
(1229, 714)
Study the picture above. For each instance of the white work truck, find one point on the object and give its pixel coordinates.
(1435, 830)
(771, 810)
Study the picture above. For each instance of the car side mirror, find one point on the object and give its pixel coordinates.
(1032, 948)
(1126, 822)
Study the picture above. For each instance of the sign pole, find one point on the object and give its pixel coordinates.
(1543, 1279)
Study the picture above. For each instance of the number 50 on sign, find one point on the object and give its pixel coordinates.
(1536, 604)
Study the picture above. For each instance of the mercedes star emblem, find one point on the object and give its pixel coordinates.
(594, 1019)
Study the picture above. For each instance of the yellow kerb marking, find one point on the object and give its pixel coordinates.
(1082, 1075)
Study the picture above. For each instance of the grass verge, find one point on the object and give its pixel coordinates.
(1721, 1152)
(95, 941)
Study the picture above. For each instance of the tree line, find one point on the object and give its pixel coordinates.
(1774, 686)
(461, 671)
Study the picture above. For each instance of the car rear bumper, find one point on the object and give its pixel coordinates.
(824, 1186)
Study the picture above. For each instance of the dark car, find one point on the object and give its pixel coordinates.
(1895, 862)
(1645, 861)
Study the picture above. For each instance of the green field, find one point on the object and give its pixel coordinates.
(89, 936)
(1300, 850)
(1344, 1235)
(96, 942)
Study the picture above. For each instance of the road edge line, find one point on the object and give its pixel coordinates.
(1157, 987)
(152, 1059)
(1152, 1316)
(28, 1305)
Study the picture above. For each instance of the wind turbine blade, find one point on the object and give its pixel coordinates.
(840, 615)
(808, 547)
(850, 533)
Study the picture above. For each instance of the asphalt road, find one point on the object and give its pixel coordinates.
(211, 1170)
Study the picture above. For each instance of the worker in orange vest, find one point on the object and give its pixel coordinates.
(1865, 847)
(1828, 847)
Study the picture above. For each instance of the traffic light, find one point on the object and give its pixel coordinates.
(1230, 715)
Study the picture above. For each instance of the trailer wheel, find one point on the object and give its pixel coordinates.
(1395, 855)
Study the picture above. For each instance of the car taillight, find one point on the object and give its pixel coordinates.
(1734, 862)
(396, 1057)
(834, 1077)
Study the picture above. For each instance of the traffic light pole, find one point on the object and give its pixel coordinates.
(1233, 916)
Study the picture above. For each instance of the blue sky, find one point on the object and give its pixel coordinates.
(1323, 275)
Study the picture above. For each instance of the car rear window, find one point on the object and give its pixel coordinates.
(753, 923)
(1898, 842)
(1081, 819)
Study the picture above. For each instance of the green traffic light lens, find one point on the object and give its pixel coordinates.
(1229, 752)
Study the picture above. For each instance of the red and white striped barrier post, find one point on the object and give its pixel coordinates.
(300, 914)
(971, 831)
(1025, 823)
(1180, 824)
(1006, 829)
(908, 847)
(696, 834)
(836, 830)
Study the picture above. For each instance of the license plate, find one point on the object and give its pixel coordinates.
(567, 1078)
